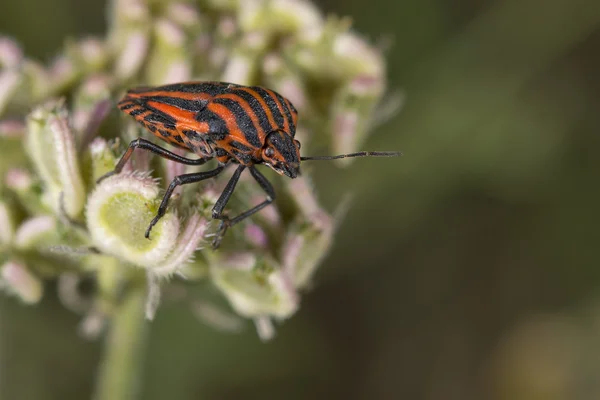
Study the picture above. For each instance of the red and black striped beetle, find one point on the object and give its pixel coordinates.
(244, 125)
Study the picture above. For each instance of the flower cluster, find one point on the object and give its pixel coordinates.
(57, 223)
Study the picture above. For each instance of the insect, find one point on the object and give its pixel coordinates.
(243, 125)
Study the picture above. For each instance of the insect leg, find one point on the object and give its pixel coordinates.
(220, 205)
(181, 180)
(144, 144)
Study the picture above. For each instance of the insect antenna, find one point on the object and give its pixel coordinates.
(359, 154)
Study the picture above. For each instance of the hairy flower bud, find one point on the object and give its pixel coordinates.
(51, 147)
(255, 287)
(18, 280)
(118, 212)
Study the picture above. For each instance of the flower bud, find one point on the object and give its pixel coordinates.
(69, 292)
(353, 107)
(129, 36)
(51, 147)
(336, 54)
(35, 232)
(255, 287)
(11, 53)
(103, 158)
(183, 14)
(243, 61)
(90, 106)
(279, 16)
(18, 280)
(63, 73)
(7, 228)
(264, 328)
(89, 54)
(152, 296)
(168, 60)
(37, 83)
(356, 56)
(303, 251)
(118, 213)
(22, 183)
(306, 244)
(183, 251)
(93, 324)
(18, 180)
(217, 318)
(284, 80)
(256, 236)
(132, 55)
(10, 81)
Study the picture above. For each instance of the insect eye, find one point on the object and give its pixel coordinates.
(269, 152)
(298, 145)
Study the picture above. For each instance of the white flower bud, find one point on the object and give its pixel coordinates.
(34, 231)
(152, 296)
(9, 83)
(183, 14)
(132, 55)
(18, 280)
(216, 317)
(255, 288)
(303, 252)
(7, 228)
(357, 55)
(279, 16)
(103, 159)
(244, 60)
(168, 59)
(353, 108)
(118, 213)
(11, 53)
(264, 328)
(183, 251)
(51, 147)
(18, 180)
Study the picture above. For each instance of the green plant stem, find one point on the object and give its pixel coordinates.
(120, 370)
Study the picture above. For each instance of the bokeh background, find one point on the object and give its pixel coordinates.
(467, 269)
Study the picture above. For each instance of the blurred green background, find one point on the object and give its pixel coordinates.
(467, 269)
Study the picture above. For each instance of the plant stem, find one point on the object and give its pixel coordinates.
(120, 371)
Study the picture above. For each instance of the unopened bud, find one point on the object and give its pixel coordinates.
(9, 83)
(255, 287)
(168, 60)
(279, 16)
(119, 211)
(90, 54)
(18, 180)
(7, 227)
(244, 59)
(34, 232)
(11, 53)
(264, 328)
(187, 243)
(18, 280)
(183, 14)
(51, 147)
(133, 54)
